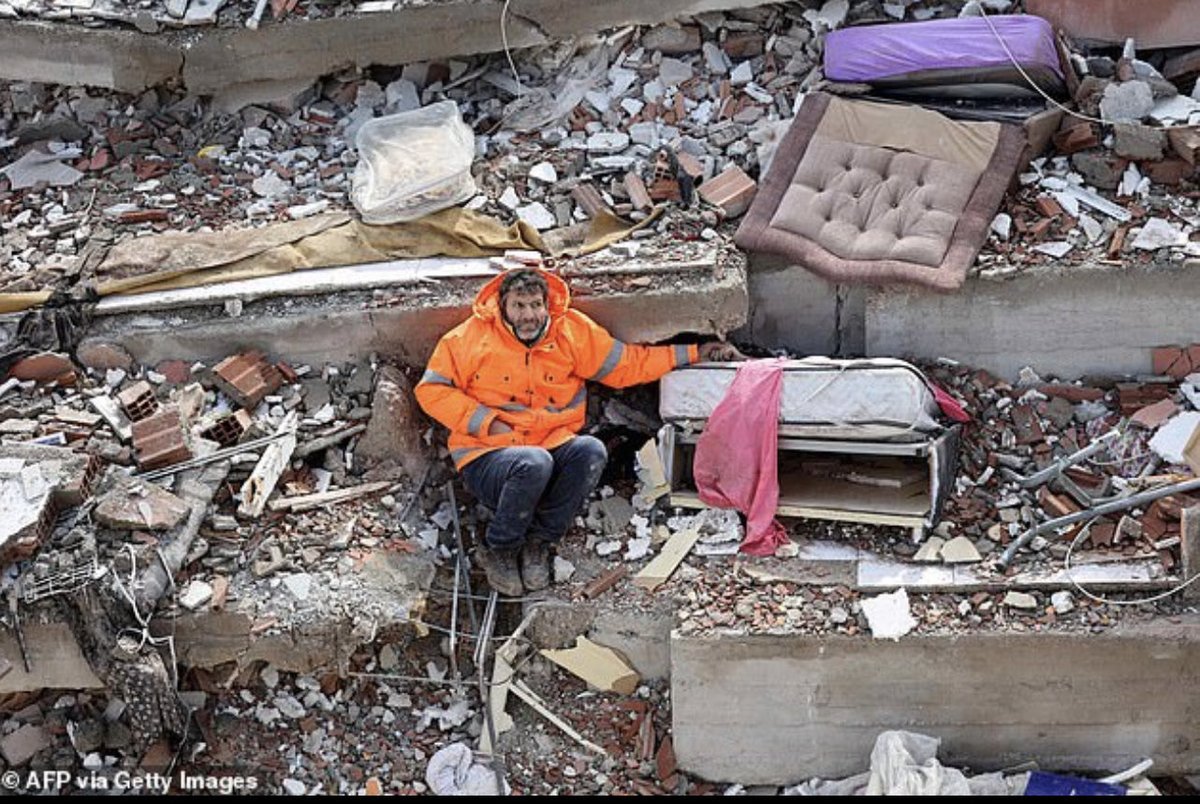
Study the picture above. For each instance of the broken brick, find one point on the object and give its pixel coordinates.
(1048, 206)
(589, 200)
(1075, 139)
(228, 430)
(690, 164)
(43, 367)
(247, 378)
(1071, 393)
(637, 191)
(159, 440)
(732, 191)
(1154, 416)
(1170, 171)
(1185, 142)
(138, 401)
(1132, 397)
(1174, 361)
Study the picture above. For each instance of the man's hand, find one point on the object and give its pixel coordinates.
(719, 351)
(498, 427)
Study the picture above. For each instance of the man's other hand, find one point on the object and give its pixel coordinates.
(720, 352)
(498, 427)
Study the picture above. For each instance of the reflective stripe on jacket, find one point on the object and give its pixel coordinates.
(480, 372)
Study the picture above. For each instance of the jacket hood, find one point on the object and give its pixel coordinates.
(487, 301)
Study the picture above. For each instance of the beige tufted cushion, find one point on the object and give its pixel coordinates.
(871, 192)
(862, 202)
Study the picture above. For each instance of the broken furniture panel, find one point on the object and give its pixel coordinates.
(858, 440)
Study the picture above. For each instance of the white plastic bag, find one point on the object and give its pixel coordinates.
(413, 163)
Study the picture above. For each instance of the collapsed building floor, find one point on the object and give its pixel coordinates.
(322, 617)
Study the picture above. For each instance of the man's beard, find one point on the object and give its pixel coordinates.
(537, 336)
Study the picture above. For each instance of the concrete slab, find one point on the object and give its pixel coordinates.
(60, 53)
(1102, 320)
(400, 322)
(794, 309)
(214, 60)
(55, 660)
(776, 710)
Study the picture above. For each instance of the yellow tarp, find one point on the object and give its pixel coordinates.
(181, 260)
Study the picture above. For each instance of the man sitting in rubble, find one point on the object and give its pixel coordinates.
(509, 384)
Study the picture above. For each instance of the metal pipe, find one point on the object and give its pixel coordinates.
(1099, 510)
(1053, 470)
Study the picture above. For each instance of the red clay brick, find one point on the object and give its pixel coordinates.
(228, 430)
(732, 191)
(247, 378)
(159, 440)
(138, 401)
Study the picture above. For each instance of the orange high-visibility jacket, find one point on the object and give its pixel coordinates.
(480, 372)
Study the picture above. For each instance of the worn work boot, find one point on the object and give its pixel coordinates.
(535, 564)
(503, 574)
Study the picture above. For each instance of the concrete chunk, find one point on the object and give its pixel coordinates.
(140, 506)
(20, 746)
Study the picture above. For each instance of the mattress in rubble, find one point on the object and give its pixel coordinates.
(875, 399)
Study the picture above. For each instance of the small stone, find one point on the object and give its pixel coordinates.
(1063, 602)
(299, 584)
(673, 71)
(563, 570)
(1020, 600)
(196, 595)
(960, 550)
(509, 199)
(607, 142)
(1126, 101)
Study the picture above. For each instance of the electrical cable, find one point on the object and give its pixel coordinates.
(1155, 598)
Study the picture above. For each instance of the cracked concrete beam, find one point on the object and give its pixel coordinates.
(55, 53)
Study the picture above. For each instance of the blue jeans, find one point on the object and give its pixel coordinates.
(534, 493)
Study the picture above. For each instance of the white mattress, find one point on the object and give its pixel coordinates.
(874, 399)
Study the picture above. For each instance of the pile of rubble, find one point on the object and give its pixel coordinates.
(1124, 155)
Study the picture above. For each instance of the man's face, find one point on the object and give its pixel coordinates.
(526, 313)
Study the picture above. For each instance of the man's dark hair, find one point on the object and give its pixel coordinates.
(523, 281)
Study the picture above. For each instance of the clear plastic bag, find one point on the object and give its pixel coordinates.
(413, 163)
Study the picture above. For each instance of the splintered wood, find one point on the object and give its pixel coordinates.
(270, 468)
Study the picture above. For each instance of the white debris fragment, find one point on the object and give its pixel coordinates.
(563, 570)
(196, 595)
(1159, 233)
(543, 172)
(453, 771)
(888, 615)
(299, 584)
(1055, 248)
(1002, 225)
(1172, 438)
(537, 216)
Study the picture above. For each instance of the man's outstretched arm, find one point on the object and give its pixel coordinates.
(601, 357)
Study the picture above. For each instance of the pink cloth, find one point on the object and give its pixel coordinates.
(736, 459)
(948, 404)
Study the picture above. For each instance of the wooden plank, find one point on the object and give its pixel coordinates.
(656, 573)
(600, 666)
(307, 501)
(270, 467)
